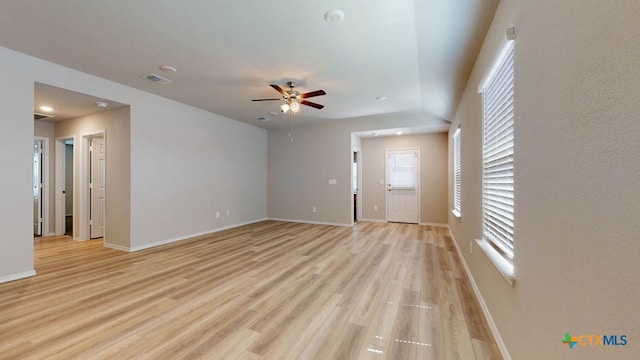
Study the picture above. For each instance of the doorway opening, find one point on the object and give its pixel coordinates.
(65, 170)
(356, 176)
(40, 186)
(97, 176)
(68, 187)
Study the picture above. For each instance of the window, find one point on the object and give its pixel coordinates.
(402, 169)
(497, 160)
(457, 182)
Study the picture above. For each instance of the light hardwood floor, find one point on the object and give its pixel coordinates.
(271, 290)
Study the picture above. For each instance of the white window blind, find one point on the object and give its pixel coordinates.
(402, 170)
(497, 154)
(457, 182)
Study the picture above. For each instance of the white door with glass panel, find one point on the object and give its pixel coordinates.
(402, 185)
(97, 185)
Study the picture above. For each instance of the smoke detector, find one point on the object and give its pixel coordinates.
(334, 16)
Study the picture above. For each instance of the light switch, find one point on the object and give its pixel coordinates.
(333, 181)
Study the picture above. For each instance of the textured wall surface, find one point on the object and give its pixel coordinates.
(576, 173)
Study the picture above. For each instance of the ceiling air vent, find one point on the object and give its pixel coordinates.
(156, 78)
(38, 116)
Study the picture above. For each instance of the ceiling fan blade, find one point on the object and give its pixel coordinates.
(312, 104)
(313, 93)
(279, 89)
(264, 99)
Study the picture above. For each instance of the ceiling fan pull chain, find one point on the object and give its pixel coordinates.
(290, 127)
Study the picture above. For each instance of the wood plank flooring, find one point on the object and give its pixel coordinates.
(271, 290)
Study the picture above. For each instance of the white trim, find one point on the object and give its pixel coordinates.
(180, 238)
(60, 213)
(434, 224)
(18, 276)
(116, 247)
(504, 267)
(374, 220)
(310, 222)
(46, 185)
(492, 325)
(84, 213)
(456, 214)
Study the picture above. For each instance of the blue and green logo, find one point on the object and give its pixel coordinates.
(594, 340)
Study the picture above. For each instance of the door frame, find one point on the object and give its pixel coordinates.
(358, 205)
(386, 178)
(60, 208)
(45, 179)
(81, 176)
(84, 183)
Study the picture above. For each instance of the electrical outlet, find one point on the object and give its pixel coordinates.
(375, 207)
(217, 214)
(228, 212)
(313, 209)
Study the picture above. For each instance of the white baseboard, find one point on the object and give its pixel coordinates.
(19, 276)
(116, 247)
(492, 325)
(310, 222)
(434, 224)
(183, 237)
(374, 220)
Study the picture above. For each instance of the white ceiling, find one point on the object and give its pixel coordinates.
(418, 54)
(68, 104)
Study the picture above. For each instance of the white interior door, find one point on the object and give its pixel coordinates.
(97, 185)
(402, 185)
(37, 187)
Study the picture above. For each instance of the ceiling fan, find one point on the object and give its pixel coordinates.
(292, 98)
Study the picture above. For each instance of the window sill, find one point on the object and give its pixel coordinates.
(503, 266)
(456, 214)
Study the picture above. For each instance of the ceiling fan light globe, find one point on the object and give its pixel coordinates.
(284, 108)
(295, 106)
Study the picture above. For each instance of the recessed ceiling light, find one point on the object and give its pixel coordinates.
(381, 98)
(273, 113)
(334, 16)
(46, 108)
(102, 104)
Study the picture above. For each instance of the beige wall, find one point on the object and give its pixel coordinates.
(433, 175)
(299, 171)
(576, 178)
(116, 127)
(185, 164)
